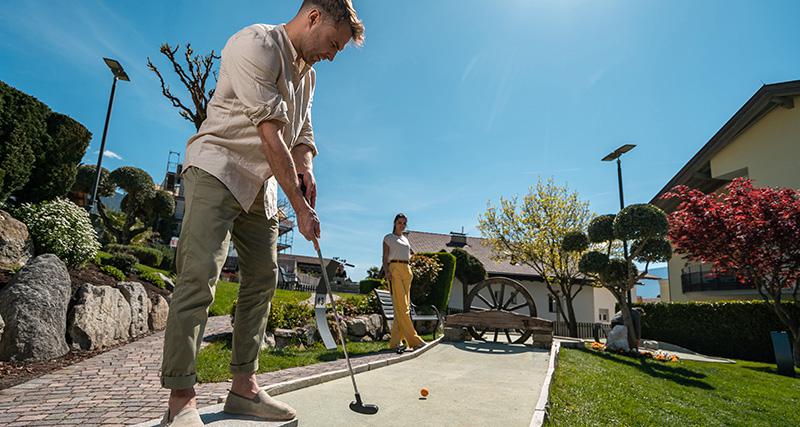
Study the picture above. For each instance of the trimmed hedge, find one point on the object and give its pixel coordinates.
(123, 261)
(147, 256)
(112, 271)
(367, 285)
(735, 329)
(440, 294)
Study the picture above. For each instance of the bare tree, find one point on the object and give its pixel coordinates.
(194, 76)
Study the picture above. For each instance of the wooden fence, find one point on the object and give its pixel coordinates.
(585, 329)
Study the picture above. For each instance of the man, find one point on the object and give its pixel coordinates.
(258, 130)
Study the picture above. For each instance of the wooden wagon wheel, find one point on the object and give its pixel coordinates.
(498, 294)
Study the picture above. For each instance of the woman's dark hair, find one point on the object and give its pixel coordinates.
(396, 217)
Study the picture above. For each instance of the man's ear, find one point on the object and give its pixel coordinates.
(313, 17)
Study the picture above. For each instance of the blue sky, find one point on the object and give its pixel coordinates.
(448, 105)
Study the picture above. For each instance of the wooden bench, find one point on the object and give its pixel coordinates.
(387, 310)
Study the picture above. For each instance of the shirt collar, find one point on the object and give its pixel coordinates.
(300, 65)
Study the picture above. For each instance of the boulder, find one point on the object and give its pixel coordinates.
(170, 286)
(356, 327)
(310, 336)
(16, 246)
(269, 341)
(374, 325)
(159, 311)
(101, 317)
(34, 308)
(283, 337)
(139, 302)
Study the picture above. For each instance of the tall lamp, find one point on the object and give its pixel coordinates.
(615, 155)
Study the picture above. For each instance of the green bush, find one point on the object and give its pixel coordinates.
(359, 305)
(439, 294)
(735, 329)
(114, 272)
(469, 270)
(283, 314)
(62, 228)
(147, 256)
(123, 261)
(22, 124)
(151, 277)
(367, 285)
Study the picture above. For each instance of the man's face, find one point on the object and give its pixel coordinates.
(325, 39)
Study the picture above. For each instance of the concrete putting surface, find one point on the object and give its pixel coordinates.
(469, 383)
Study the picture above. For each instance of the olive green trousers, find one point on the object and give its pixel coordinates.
(212, 218)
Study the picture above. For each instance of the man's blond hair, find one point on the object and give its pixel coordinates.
(341, 11)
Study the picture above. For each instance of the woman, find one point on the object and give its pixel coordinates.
(396, 254)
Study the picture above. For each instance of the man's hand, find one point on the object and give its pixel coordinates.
(310, 184)
(308, 224)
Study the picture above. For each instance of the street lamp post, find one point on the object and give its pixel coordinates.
(119, 74)
(615, 155)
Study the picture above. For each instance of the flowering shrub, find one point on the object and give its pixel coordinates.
(62, 228)
(425, 270)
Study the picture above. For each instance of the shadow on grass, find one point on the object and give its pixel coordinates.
(772, 370)
(678, 375)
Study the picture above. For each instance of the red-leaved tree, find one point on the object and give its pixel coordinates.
(752, 232)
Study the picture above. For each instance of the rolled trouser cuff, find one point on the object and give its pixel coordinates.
(179, 383)
(245, 368)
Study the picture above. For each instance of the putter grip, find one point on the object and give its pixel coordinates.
(302, 186)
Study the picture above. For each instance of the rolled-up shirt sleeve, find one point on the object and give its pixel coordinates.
(251, 62)
(306, 136)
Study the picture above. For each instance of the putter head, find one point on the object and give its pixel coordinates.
(363, 408)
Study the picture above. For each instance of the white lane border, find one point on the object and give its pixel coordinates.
(540, 411)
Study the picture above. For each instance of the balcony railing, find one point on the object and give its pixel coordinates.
(710, 281)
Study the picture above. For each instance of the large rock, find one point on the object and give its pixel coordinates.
(168, 283)
(374, 323)
(139, 302)
(34, 308)
(356, 327)
(269, 341)
(16, 246)
(618, 339)
(159, 312)
(101, 317)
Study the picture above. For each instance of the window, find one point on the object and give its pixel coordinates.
(603, 315)
(551, 304)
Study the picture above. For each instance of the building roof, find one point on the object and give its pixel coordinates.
(697, 172)
(302, 259)
(433, 242)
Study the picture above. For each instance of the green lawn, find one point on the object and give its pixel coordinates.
(598, 389)
(226, 293)
(213, 361)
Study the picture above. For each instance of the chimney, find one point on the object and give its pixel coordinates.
(457, 239)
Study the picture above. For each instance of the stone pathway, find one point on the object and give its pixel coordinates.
(121, 386)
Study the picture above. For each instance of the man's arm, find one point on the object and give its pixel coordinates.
(303, 157)
(283, 167)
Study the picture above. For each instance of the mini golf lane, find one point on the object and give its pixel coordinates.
(471, 384)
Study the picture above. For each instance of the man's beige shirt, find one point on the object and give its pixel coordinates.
(260, 78)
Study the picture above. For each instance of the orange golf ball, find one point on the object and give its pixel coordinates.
(424, 392)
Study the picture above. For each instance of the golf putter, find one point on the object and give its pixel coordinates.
(357, 405)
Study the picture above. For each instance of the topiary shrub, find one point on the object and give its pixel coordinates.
(153, 278)
(438, 293)
(425, 269)
(114, 272)
(367, 285)
(469, 269)
(147, 256)
(123, 261)
(62, 228)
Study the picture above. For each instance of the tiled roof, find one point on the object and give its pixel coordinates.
(477, 247)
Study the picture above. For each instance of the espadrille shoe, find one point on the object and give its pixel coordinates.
(188, 417)
(260, 406)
